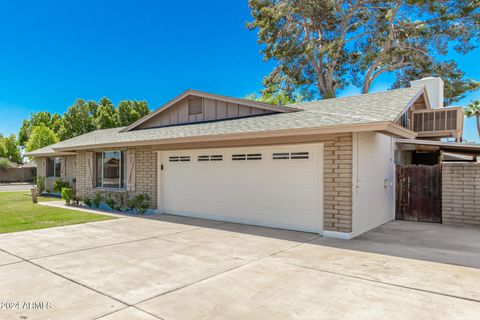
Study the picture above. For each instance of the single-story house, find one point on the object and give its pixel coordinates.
(324, 166)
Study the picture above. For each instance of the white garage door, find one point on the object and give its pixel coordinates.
(277, 186)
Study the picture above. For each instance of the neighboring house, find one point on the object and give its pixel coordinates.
(324, 166)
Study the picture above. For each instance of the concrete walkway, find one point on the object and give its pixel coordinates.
(182, 268)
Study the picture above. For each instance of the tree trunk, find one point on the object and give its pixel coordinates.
(478, 125)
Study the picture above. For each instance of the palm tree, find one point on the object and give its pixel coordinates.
(473, 110)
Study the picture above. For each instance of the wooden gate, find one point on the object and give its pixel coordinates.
(419, 193)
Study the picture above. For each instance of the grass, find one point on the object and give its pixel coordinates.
(18, 213)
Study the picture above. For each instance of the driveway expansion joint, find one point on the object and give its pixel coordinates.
(382, 282)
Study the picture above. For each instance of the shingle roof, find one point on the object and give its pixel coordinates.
(360, 109)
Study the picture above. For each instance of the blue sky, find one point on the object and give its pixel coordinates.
(53, 52)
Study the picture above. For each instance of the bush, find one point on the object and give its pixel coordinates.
(110, 202)
(67, 195)
(87, 201)
(40, 184)
(60, 184)
(139, 202)
(5, 164)
(97, 198)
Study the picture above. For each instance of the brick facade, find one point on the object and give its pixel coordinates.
(70, 174)
(461, 193)
(338, 183)
(145, 169)
(337, 179)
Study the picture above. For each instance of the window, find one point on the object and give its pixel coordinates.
(249, 156)
(290, 155)
(215, 157)
(110, 169)
(179, 158)
(195, 106)
(54, 167)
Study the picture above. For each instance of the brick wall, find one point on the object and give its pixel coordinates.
(461, 193)
(338, 184)
(146, 176)
(70, 162)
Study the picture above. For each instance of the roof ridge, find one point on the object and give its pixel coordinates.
(352, 96)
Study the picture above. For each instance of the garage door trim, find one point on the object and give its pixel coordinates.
(320, 186)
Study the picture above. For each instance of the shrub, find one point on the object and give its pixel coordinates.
(97, 198)
(40, 184)
(110, 202)
(87, 201)
(67, 195)
(5, 164)
(139, 202)
(60, 184)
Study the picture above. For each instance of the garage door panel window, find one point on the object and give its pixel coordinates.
(290, 155)
(247, 156)
(179, 159)
(110, 169)
(54, 167)
(215, 157)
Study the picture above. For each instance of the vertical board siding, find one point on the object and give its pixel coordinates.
(419, 193)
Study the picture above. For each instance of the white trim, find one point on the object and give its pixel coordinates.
(159, 181)
(321, 182)
(242, 221)
(338, 235)
(227, 157)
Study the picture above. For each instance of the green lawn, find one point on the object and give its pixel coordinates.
(18, 213)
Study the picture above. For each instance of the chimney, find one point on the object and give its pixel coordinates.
(434, 88)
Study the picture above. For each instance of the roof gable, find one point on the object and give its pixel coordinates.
(213, 107)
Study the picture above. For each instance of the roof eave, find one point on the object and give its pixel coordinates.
(385, 127)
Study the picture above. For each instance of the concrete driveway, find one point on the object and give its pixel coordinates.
(182, 268)
(9, 187)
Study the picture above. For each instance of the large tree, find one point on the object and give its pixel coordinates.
(327, 44)
(43, 118)
(78, 119)
(41, 136)
(10, 149)
(129, 111)
(105, 117)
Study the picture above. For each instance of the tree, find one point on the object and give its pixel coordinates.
(42, 118)
(79, 119)
(9, 148)
(41, 136)
(456, 85)
(275, 97)
(326, 44)
(307, 39)
(105, 117)
(411, 34)
(129, 111)
(473, 110)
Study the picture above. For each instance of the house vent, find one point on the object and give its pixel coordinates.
(195, 106)
(290, 155)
